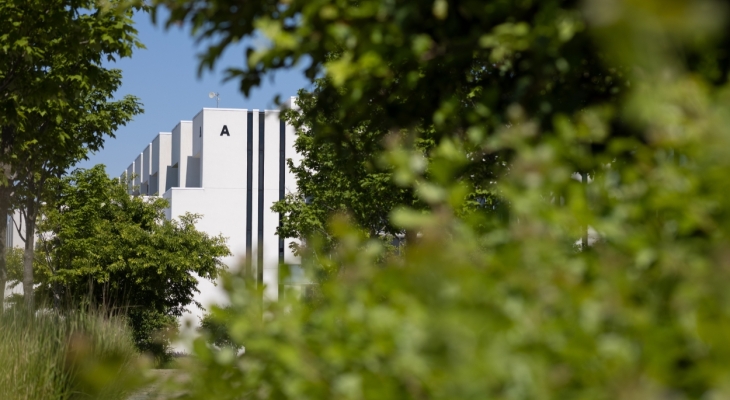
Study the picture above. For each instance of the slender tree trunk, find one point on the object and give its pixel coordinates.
(584, 239)
(3, 249)
(7, 136)
(411, 237)
(4, 212)
(28, 255)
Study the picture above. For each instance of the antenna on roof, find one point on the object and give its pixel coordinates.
(217, 98)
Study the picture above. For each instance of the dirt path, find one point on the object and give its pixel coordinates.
(151, 392)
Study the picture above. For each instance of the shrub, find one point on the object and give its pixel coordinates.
(215, 326)
(111, 250)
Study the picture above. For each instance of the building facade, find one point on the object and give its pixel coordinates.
(229, 166)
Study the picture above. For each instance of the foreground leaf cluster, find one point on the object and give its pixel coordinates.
(606, 278)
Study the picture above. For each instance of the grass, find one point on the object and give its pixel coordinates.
(76, 355)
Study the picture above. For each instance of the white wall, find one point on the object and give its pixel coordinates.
(13, 234)
(14, 240)
(161, 155)
(194, 172)
(223, 157)
(198, 132)
(271, 195)
(213, 182)
(137, 173)
(255, 245)
(146, 164)
(290, 185)
(130, 173)
(192, 178)
(182, 148)
(221, 214)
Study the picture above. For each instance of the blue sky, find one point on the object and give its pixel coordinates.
(165, 77)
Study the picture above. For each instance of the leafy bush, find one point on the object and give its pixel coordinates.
(152, 331)
(214, 325)
(104, 247)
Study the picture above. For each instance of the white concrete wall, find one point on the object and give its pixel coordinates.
(271, 195)
(138, 174)
(14, 221)
(198, 127)
(221, 214)
(222, 167)
(146, 166)
(161, 156)
(255, 245)
(182, 148)
(123, 176)
(129, 175)
(223, 161)
(290, 186)
(213, 181)
(194, 173)
(192, 178)
(290, 182)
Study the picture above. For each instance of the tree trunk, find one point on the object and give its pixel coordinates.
(28, 255)
(584, 239)
(4, 211)
(3, 250)
(411, 237)
(7, 138)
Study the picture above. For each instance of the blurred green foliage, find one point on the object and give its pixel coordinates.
(610, 122)
(14, 264)
(215, 326)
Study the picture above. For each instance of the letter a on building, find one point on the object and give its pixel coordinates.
(225, 131)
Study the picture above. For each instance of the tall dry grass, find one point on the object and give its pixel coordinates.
(77, 355)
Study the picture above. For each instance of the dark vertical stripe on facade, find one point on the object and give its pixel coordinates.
(260, 264)
(282, 175)
(249, 189)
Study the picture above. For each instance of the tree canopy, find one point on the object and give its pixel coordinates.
(56, 97)
(332, 180)
(454, 65)
(406, 75)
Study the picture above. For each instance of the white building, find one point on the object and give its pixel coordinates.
(228, 165)
(13, 239)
